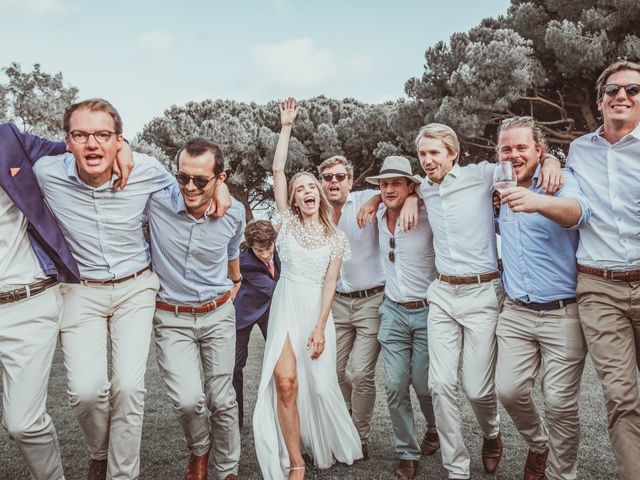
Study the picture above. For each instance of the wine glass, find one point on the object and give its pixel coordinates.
(504, 177)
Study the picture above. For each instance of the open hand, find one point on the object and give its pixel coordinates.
(288, 111)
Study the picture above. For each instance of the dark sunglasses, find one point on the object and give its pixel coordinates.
(327, 177)
(392, 245)
(199, 181)
(612, 89)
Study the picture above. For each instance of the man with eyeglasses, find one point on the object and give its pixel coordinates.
(409, 268)
(115, 298)
(197, 261)
(606, 164)
(359, 294)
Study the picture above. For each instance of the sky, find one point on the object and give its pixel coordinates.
(144, 56)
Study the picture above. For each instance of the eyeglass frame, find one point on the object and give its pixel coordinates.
(331, 176)
(616, 88)
(196, 179)
(89, 134)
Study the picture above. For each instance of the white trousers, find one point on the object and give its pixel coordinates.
(462, 324)
(28, 335)
(109, 411)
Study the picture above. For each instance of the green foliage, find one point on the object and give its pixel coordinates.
(542, 59)
(35, 100)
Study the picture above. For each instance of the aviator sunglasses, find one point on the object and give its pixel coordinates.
(199, 181)
(612, 89)
(327, 177)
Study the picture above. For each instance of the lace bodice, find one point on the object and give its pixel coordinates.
(305, 250)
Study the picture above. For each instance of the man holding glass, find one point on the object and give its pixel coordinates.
(467, 294)
(606, 165)
(539, 322)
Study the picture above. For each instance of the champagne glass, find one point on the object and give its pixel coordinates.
(504, 177)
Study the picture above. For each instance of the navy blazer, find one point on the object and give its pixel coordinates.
(19, 151)
(254, 297)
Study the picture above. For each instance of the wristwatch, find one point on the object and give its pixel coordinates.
(237, 281)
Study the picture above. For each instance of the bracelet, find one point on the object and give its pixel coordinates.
(237, 281)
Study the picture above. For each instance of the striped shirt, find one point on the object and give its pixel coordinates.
(190, 256)
(102, 225)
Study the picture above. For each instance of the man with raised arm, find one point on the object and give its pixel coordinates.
(539, 322)
(606, 165)
(196, 258)
(466, 296)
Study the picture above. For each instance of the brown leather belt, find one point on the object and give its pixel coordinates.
(362, 293)
(27, 291)
(485, 277)
(115, 280)
(615, 275)
(204, 308)
(412, 305)
(542, 307)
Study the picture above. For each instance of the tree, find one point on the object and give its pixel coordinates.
(541, 59)
(248, 133)
(35, 100)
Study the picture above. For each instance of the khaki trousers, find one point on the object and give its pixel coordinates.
(610, 316)
(462, 323)
(109, 412)
(196, 356)
(526, 339)
(357, 323)
(28, 335)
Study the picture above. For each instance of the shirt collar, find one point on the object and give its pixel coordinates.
(454, 172)
(534, 180)
(598, 134)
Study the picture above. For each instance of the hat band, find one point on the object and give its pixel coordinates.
(394, 170)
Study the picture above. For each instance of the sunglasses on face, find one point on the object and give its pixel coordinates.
(612, 89)
(392, 245)
(199, 181)
(328, 177)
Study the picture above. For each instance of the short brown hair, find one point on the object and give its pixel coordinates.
(441, 132)
(523, 122)
(198, 146)
(259, 232)
(95, 105)
(616, 66)
(336, 160)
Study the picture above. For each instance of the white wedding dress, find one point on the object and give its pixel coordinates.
(326, 430)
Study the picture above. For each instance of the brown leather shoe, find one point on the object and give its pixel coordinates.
(536, 465)
(406, 469)
(430, 444)
(97, 470)
(491, 453)
(232, 476)
(365, 452)
(197, 467)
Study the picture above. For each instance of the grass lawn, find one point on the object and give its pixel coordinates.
(164, 451)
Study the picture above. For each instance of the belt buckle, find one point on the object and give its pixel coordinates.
(13, 297)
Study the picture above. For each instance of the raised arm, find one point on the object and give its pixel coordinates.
(288, 112)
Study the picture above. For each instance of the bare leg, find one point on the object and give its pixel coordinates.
(286, 381)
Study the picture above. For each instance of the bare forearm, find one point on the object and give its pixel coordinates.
(282, 149)
(566, 212)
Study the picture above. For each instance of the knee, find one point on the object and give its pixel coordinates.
(126, 392)
(560, 406)
(443, 387)
(509, 394)
(287, 388)
(88, 395)
(19, 430)
(189, 403)
(362, 378)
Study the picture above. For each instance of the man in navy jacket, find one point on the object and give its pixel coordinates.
(260, 269)
(34, 257)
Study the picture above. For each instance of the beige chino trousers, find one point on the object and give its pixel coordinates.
(109, 411)
(553, 338)
(28, 334)
(462, 323)
(610, 316)
(196, 356)
(357, 322)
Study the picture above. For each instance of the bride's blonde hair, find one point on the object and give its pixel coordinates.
(325, 210)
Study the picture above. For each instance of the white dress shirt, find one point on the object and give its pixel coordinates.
(18, 263)
(102, 225)
(364, 269)
(609, 177)
(461, 215)
(413, 268)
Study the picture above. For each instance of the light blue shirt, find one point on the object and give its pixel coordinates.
(102, 225)
(190, 256)
(609, 176)
(538, 255)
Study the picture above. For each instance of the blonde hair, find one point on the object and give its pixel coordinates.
(337, 160)
(443, 133)
(325, 210)
(523, 122)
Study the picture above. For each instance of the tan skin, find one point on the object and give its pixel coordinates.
(285, 373)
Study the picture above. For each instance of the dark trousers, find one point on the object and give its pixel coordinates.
(242, 352)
